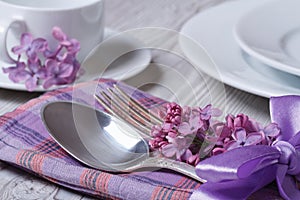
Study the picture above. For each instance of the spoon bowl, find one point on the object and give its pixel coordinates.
(102, 141)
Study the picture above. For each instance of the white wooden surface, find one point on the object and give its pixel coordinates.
(123, 15)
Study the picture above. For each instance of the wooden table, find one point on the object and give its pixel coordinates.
(123, 15)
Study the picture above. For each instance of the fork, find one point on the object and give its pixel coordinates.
(129, 110)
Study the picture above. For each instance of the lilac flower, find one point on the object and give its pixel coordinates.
(159, 134)
(194, 124)
(72, 45)
(182, 132)
(219, 133)
(188, 133)
(207, 112)
(26, 40)
(241, 138)
(35, 72)
(271, 132)
(221, 130)
(240, 131)
(30, 76)
(57, 73)
(60, 66)
(71, 60)
(186, 113)
(59, 35)
(177, 146)
(16, 73)
(29, 46)
(243, 121)
(169, 130)
(205, 115)
(158, 143)
(190, 158)
(156, 131)
(173, 113)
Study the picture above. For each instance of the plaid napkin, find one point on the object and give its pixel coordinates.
(25, 142)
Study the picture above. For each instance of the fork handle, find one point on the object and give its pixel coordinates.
(161, 162)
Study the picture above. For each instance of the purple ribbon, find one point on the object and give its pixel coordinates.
(238, 173)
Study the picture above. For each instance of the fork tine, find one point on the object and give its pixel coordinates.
(128, 109)
(138, 106)
(132, 110)
(103, 103)
(122, 111)
(121, 115)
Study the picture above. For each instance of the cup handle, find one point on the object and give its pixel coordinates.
(19, 26)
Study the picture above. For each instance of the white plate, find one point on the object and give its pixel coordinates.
(271, 33)
(213, 29)
(124, 67)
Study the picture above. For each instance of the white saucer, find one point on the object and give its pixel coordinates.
(271, 33)
(124, 67)
(213, 29)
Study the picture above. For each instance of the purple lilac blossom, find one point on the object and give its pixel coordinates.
(188, 134)
(44, 66)
(182, 132)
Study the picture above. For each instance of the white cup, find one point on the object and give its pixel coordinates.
(79, 19)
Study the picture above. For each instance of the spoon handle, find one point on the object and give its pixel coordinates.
(161, 162)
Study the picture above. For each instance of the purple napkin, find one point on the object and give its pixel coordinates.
(25, 142)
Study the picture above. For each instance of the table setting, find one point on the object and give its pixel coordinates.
(124, 100)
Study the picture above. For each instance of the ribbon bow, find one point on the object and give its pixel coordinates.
(238, 173)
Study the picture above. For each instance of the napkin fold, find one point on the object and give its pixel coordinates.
(25, 142)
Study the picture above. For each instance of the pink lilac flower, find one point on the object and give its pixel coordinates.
(186, 113)
(158, 133)
(158, 143)
(205, 115)
(57, 73)
(35, 72)
(30, 76)
(176, 147)
(242, 120)
(208, 111)
(72, 45)
(173, 113)
(271, 132)
(241, 131)
(59, 35)
(59, 66)
(190, 127)
(188, 134)
(26, 40)
(30, 46)
(16, 73)
(190, 158)
(181, 133)
(241, 138)
(220, 134)
(71, 60)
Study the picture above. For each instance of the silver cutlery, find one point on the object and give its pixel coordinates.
(113, 141)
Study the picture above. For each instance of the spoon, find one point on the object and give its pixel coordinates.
(102, 141)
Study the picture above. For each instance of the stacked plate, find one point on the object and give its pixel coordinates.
(255, 44)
